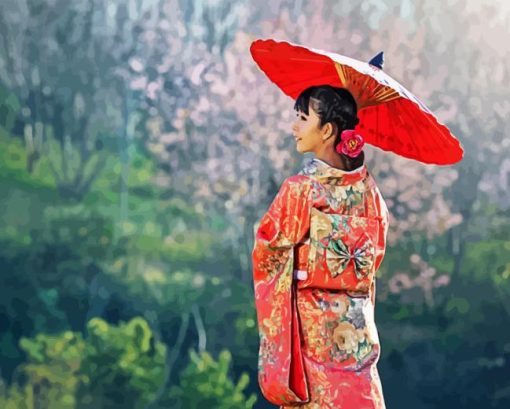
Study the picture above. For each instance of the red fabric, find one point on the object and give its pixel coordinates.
(297, 370)
(318, 344)
(280, 354)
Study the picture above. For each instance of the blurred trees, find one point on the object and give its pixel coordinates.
(139, 144)
(115, 366)
(210, 379)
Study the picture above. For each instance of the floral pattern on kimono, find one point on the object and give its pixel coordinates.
(318, 340)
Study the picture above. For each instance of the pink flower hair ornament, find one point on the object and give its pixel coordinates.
(351, 143)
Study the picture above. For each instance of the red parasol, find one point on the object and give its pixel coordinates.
(391, 117)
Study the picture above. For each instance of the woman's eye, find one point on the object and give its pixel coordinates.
(303, 118)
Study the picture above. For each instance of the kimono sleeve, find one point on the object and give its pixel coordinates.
(384, 214)
(383, 231)
(287, 220)
(281, 373)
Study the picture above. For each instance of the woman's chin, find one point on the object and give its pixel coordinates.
(301, 150)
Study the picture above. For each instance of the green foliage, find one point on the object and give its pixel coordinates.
(120, 170)
(9, 107)
(488, 259)
(16, 397)
(204, 383)
(114, 367)
(117, 367)
(124, 365)
(53, 368)
(459, 340)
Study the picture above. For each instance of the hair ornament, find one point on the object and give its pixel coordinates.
(351, 143)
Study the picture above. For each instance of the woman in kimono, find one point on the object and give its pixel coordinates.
(316, 252)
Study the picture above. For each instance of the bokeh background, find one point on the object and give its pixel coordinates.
(139, 146)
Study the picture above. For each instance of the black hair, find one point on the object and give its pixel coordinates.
(335, 105)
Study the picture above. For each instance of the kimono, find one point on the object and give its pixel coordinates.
(315, 256)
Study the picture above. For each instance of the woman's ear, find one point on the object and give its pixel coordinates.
(328, 130)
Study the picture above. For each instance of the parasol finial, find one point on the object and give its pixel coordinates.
(377, 60)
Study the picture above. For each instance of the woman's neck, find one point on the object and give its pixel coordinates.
(335, 161)
(343, 170)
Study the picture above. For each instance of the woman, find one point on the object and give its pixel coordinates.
(316, 252)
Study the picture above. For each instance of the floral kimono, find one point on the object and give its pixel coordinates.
(316, 252)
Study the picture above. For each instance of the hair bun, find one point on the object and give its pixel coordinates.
(351, 124)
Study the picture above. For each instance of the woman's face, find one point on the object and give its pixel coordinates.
(306, 131)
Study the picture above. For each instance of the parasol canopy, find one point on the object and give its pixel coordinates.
(391, 117)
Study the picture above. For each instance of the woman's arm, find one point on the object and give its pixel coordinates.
(287, 220)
